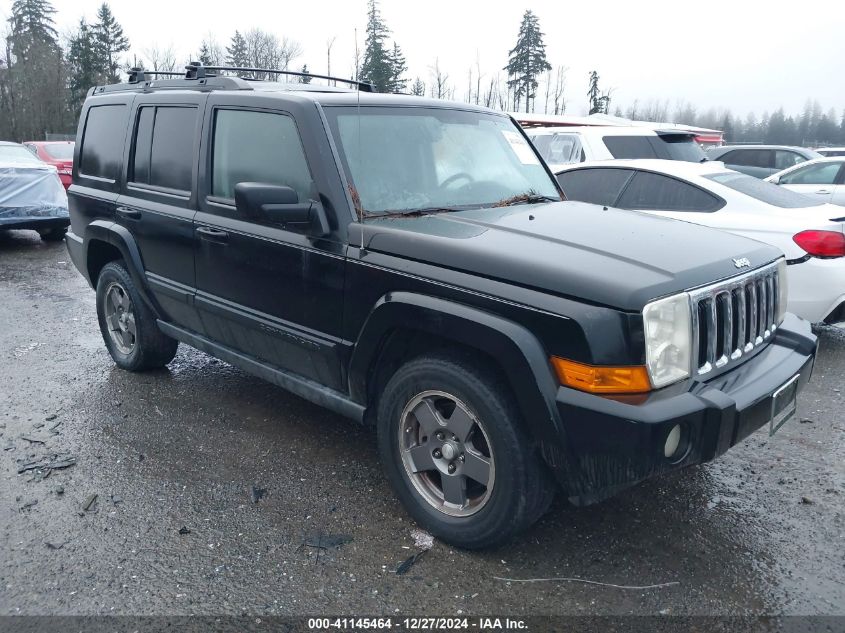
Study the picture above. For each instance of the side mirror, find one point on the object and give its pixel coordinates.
(775, 181)
(278, 204)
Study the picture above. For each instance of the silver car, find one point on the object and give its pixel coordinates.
(761, 161)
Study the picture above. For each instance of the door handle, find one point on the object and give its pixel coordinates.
(127, 213)
(823, 191)
(213, 235)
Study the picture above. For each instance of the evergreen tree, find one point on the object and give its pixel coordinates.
(237, 53)
(398, 67)
(110, 42)
(305, 80)
(84, 65)
(418, 90)
(377, 66)
(593, 93)
(526, 61)
(205, 55)
(31, 26)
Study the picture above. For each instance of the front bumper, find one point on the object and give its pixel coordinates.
(613, 443)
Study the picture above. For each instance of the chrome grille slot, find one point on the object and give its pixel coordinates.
(732, 318)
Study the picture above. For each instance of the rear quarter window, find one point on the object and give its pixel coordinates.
(764, 191)
(102, 142)
(597, 186)
(656, 192)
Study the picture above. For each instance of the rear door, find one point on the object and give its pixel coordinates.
(817, 181)
(670, 197)
(158, 202)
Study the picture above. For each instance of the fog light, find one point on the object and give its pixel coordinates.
(673, 441)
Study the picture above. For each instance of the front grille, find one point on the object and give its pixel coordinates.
(733, 318)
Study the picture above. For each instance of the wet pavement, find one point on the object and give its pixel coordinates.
(202, 490)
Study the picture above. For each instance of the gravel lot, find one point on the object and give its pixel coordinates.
(170, 466)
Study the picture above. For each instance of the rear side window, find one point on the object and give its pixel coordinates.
(656, 192)
(598, 186)
(102, 142)
(748, 158)
(630, 147)
(785, 159)
(164, 147)
(818, 174)
(764, 191)
(257, 147)
(559, 149)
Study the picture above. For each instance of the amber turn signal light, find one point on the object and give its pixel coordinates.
(601, 378)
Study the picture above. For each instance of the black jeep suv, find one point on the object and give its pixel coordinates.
(409, 264)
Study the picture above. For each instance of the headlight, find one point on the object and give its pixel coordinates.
(783, 290)
(668, 341)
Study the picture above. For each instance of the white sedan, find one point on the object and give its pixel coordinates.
(822, 179)
(810, 233)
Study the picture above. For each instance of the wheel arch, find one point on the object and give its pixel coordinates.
(402, 323)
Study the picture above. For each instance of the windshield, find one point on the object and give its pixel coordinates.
(406, 160)
(60, 151)
(17, 154)
(559, 149)
(764, 191)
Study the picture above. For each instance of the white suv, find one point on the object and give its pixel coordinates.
(561, 146)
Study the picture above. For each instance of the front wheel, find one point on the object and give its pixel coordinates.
(456, 455)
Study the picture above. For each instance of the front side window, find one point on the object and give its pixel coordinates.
(598, 186)
(656, 192)
(251, 146)
(763, 191)
(785, 159)
(405, 160)
(818, 174)
(164, 147)
(102, 141)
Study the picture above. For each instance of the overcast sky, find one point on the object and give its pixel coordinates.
(743, 54)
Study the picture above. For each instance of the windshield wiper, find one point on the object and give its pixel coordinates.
(526, 198)
(412, 213)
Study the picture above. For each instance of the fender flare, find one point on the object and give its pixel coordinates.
(120, 237)
(520, 355)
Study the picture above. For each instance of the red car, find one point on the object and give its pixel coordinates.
(56, 153)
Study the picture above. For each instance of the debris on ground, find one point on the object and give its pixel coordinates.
(424, 542)
(805, 421)
(183, 531)
(27, 505)
(51, 417)
(60, 490)
(54, 546)
(48, 464)
(327, 541)
(257, 493)
(115, 499)
(32, 440)
(89, 503)
(591, 582)
(806, 500)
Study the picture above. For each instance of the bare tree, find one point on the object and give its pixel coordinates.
(439, 81)
(161, 58)
(329, 44)
(560, 86)
(265, 50)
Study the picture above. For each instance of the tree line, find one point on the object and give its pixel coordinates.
(44, 78)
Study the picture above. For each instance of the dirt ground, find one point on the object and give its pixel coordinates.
(202, 490)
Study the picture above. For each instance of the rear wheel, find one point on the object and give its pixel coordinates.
(127, 324)
(454, 451)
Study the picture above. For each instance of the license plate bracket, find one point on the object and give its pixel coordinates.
(783, 404)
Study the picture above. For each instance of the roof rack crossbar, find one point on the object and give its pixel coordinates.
(198, 70)
(139, 75)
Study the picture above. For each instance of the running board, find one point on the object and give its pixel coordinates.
(302, 387)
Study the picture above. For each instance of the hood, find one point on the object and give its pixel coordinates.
(606, 256)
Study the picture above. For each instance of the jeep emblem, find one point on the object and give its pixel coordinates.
(742, 262)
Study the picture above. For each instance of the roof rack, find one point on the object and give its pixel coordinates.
(138, 75)
(196, 70)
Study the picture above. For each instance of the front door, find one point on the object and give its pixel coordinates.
(262, 290)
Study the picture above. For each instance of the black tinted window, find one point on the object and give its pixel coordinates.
(785, 159)
(630, 146)
(764, 191)
(656, 192)
(102, 141)
(681, 147)
(164, 147)
(257, 147)
(599, 186)
(748, 157)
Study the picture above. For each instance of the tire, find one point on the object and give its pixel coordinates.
(53, 235)
(128, 326)
(449, 394)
